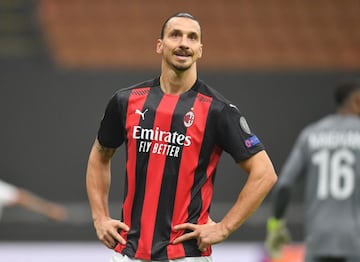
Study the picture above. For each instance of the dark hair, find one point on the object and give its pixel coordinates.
(345, 89)
(186, 15)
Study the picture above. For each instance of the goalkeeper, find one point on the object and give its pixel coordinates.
(327, 155)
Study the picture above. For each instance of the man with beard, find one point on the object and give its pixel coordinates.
(175, 128)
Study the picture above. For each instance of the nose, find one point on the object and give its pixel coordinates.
(184, 42)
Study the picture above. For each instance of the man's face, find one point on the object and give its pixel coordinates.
(181, 46)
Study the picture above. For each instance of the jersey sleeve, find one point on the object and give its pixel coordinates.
(295, 163)
(111, 133)
(235, 136)
(8, 193)
(290, 172)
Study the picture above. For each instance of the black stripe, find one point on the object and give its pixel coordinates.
(196, 203)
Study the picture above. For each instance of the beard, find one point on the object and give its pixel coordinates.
(178, 66)
(181, 67)
(180, 60)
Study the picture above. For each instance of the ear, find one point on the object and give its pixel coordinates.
(159, 46)
(200, 50)
(356, 102)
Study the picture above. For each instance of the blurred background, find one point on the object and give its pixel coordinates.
(61, 60)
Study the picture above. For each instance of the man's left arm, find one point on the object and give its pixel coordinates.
(262, 178)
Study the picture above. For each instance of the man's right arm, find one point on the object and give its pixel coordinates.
(98, 179)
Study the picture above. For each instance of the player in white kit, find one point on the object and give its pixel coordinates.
(11, 195)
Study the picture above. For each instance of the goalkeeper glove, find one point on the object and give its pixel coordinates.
(277, 236)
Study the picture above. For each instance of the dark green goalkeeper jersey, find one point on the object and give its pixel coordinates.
(327, 153)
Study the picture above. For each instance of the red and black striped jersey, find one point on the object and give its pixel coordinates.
(173, 145)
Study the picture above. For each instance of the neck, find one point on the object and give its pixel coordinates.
(176, 83)
(346, 112)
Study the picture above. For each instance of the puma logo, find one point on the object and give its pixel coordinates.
(142, 114)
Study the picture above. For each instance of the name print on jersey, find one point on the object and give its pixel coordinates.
(160, 142)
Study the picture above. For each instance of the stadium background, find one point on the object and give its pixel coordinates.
(61, 60)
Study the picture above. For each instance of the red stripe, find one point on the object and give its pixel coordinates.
(137, 100)
(189, 163)
(208, 189)
(154, 177)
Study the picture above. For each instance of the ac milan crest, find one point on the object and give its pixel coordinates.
(189, 118)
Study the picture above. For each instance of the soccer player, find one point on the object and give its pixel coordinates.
(327, 154)
(175, 128)
(11, 195)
